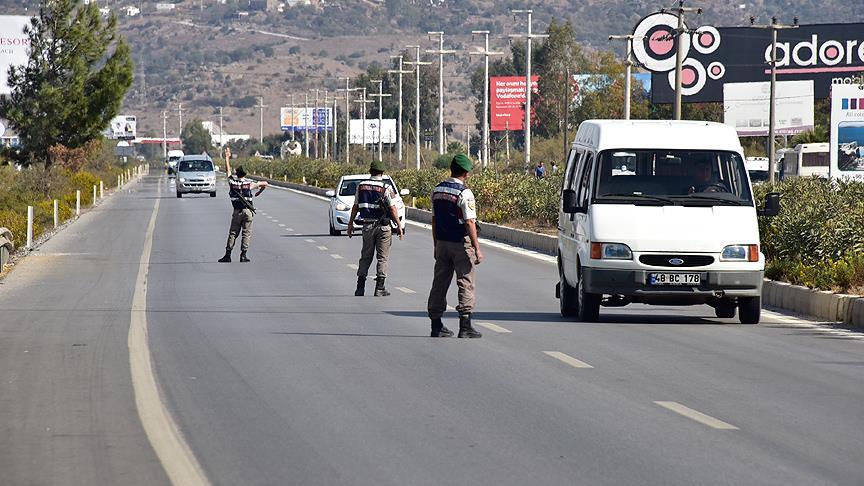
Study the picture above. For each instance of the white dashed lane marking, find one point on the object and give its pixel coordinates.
(336, 257)
(405, 290)
(353, 266)
(310, 240)
(289, 229)
(493, 327)
(566, 358)
(322, 248)
(281, 225)
(451, 308)
(697, 416)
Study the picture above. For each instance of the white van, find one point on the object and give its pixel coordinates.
(807, 160)
(659, 212)
(174, 157)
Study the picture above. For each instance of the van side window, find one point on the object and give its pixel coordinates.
(584, 178)
(570, 167)
(578, 164)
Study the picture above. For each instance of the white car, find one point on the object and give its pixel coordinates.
(342, 200)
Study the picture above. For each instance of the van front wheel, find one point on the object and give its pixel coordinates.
(749, 309)
(589, 304)
(568, 300)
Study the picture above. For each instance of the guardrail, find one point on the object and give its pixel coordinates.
(827, 306)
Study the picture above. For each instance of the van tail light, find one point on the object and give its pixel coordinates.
(753, 253)
(596, 251)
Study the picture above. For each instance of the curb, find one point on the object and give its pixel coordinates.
(824, 305)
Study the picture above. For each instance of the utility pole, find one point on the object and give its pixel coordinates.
(180, 111)
(261, 111)
(485, 53)
(348, 89)
(680, 10)
(164, 135)
(363, 101)
(315, 121)
(417, 63)
(529, 37)
(335, 128)
(400, 72)
(326, 134)
(628, 65)
(380, 95)
(440, 51)
(221, 133)
(772, 109)
(306, 124)
(293, 128)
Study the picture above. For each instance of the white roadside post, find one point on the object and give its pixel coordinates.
(29, 227)
(94, 195)
(78, 202)
(101, 190)
(56, 214)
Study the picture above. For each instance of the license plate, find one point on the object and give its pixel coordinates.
(674, 278)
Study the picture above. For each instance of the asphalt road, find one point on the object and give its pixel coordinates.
(276, 374)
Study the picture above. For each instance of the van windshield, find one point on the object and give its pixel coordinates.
(196, 166)
(680, 177)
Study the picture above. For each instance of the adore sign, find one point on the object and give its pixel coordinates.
(827, 54)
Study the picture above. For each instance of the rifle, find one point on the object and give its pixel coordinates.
(244, 201)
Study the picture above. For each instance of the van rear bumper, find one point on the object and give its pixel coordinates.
(634, 284)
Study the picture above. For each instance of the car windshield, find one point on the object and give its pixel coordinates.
(685, 177)
(196, 166)
(349, 187)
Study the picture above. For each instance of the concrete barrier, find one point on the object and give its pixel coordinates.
(6, 246)
(823, 305)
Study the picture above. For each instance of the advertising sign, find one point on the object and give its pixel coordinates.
(388, 133)
(14, 46)
(506, 102)
(298, 119)
(847, 131)
(828, 54)
(746, 107)
(122, 127)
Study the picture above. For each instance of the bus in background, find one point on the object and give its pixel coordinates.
(807, 160)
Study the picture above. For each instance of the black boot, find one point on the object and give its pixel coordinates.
(439, 330)
(243, 257)
(361, 287)
(465, 329)
(380, 291)
(227, 257)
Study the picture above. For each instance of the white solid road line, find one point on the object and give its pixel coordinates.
(162, 431)
(697, 416)
(566, 358)
(494, 327)
(405, 290)
(336, 257)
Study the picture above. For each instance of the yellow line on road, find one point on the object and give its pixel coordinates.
(162, 431)
(566, 358)
(494, 327)
(697, 416)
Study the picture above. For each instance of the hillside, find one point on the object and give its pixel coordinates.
(229, 54)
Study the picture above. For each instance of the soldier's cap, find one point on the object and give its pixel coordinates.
(377, 166)
(241, 172)
(462, 161)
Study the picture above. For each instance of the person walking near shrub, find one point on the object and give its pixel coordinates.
(540, 171)
(376, 205)
(240, 191)
(457, 249)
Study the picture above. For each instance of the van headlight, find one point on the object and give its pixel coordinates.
(740, 253)
(182, 179)
(611, 251)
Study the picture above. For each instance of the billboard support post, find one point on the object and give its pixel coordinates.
(774, 26)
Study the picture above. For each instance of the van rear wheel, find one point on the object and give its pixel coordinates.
(589, 304)
(567, 298)
(749, 309)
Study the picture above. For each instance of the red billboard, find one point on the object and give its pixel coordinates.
(506, 101)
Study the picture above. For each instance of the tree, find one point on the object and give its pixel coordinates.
(196, 139)
(559, 57)
(73, 84)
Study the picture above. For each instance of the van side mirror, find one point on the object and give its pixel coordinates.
(772, 205)
(570, 205)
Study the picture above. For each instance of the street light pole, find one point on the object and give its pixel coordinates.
(363, 101)
(326, 134)
(529, 36)
(347, 119)
(164, 135)
(306, 124)
(417, 63)
(628, 65)
(440, 51)
(261, 110)
(774, 26)
(380, 95)
(221, 136)
(400, 72)
(679, 11)
(485, 53)
(293, 112)
(316, 122)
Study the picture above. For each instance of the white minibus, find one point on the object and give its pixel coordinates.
(659, 212)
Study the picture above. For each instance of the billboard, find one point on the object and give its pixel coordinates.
(299, 118)
(14, 46)
(847, 131)
(388, 133)
(507, 101)
(746, 107)
(828, 54)
(122, 127)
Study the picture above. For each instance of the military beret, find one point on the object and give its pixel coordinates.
(463, 161)
(377, 166)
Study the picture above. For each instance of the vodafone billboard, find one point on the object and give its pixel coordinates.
(506, 102)
(14, 46)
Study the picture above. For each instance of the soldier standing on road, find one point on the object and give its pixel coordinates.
(454, 235)
(375, 204)
(240, 191)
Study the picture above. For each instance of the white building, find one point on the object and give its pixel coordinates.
(213, 129)
(131, 11)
